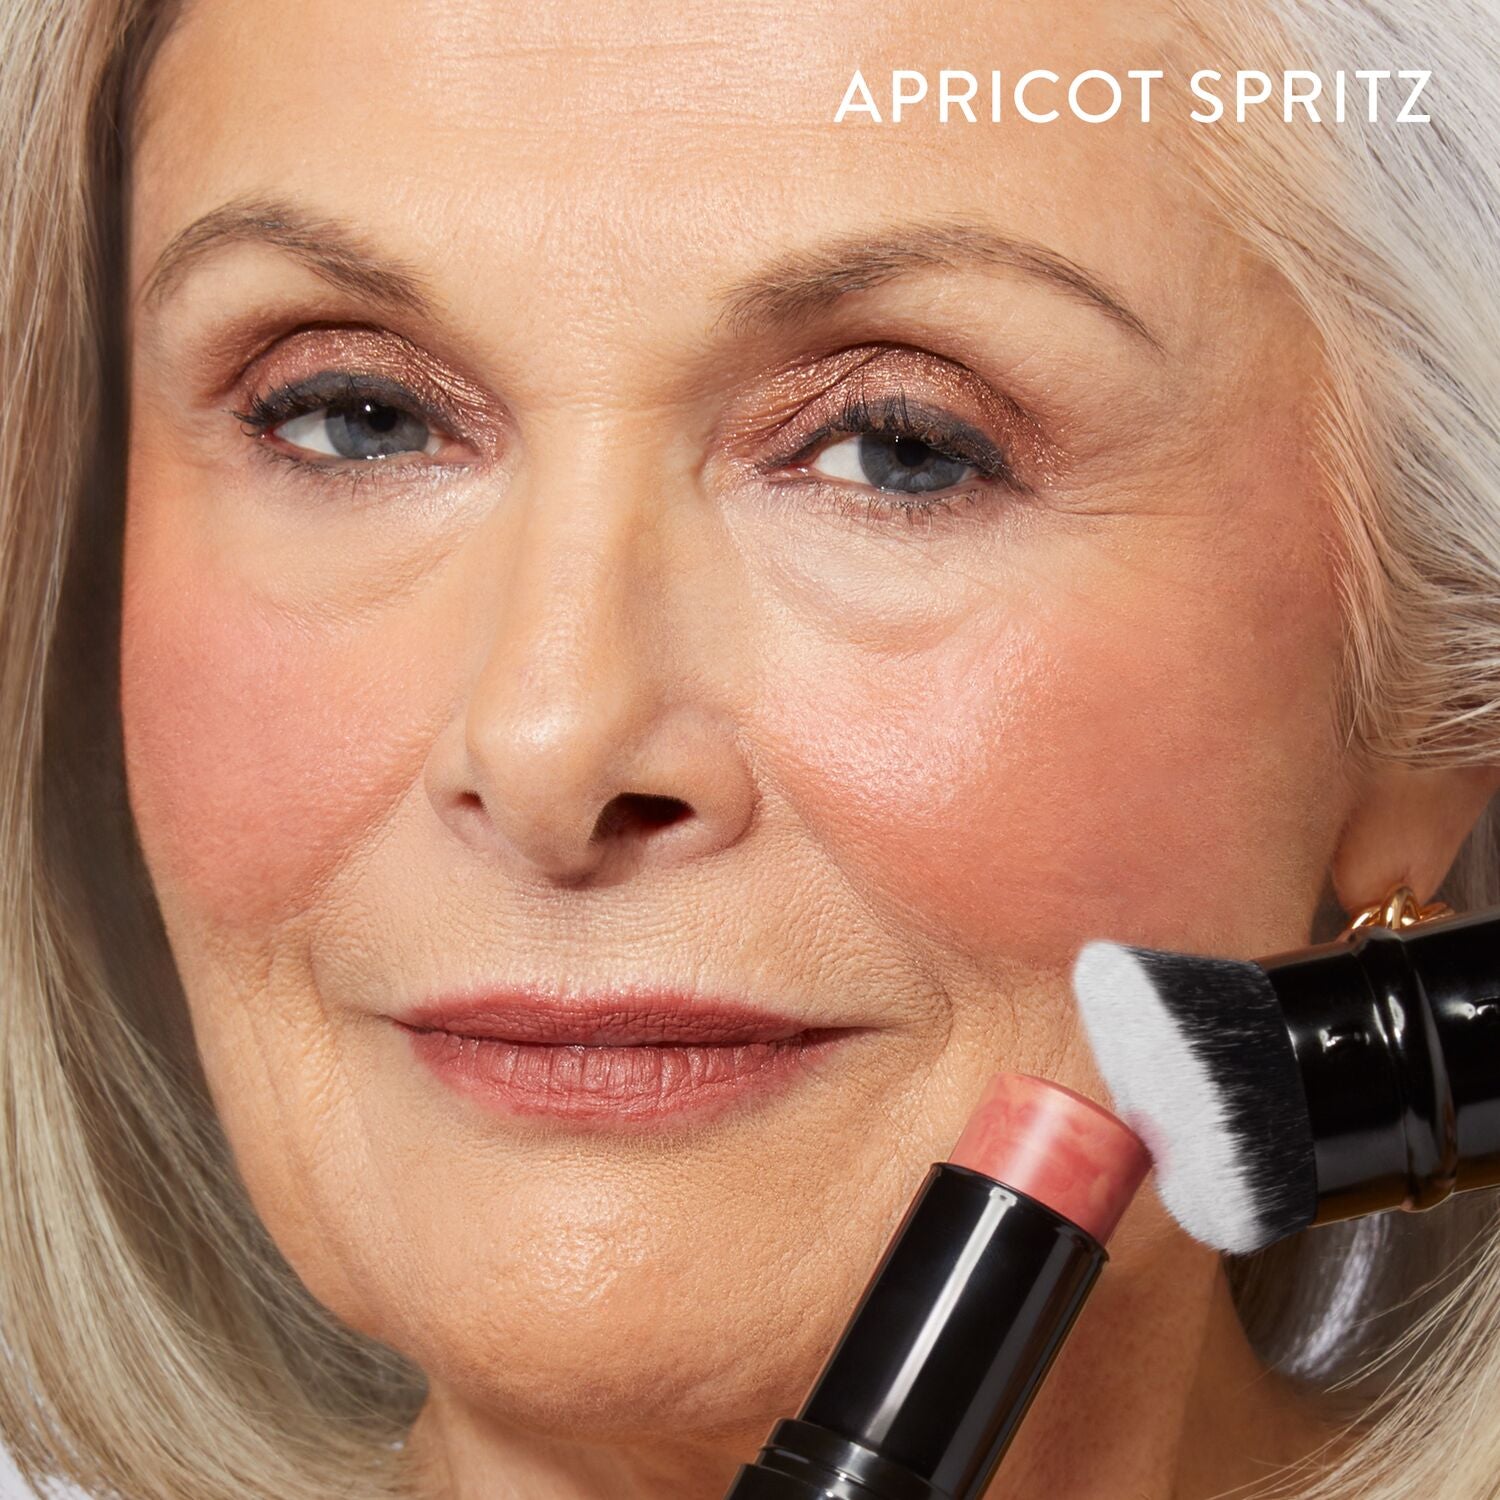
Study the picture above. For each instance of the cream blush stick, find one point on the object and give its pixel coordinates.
(967, 1309)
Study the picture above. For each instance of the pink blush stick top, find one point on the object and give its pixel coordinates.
(1054, 1145)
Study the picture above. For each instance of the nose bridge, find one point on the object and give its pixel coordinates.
(568, 670)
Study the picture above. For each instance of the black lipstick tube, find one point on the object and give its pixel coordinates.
(954, 1333)
(1396, 1034)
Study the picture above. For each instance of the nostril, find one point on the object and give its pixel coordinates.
(639, 812)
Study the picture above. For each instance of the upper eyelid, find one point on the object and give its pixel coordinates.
(253, 350)
(327, 386)
(883, 371)
(224, 356)
(907, 413)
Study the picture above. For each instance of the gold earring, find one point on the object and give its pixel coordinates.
(1399, 909)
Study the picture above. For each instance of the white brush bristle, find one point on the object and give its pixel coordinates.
(1166, 1094)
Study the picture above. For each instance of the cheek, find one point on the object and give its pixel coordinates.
(257, 753)
(1151, 778)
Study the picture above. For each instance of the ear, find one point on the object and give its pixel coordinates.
(1406, 828)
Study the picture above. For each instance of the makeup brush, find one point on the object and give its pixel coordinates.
(1318, 1084)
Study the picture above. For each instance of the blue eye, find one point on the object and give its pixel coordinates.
(895, 462)
(360, 429)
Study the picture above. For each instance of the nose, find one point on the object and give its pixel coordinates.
(590, 742)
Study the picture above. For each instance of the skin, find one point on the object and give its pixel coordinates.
(369, 732)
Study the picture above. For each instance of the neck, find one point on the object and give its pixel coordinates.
(1156, 1395)
(1242, 1420)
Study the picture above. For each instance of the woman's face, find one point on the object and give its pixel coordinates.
(906, 537)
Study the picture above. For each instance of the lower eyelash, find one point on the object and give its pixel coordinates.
(887, 505)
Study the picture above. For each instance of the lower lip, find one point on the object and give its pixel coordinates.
(609, 1084)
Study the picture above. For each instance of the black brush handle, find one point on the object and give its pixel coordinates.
(1397, 1039)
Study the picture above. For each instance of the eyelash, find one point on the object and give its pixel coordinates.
(894, 416)
(897, 417)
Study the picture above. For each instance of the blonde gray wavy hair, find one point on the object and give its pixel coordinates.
(152, 1339)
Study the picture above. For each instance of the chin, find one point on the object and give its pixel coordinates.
(622, 1368)
(583, 1325)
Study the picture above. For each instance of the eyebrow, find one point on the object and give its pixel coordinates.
(332, 248)
(794, 287)
(806, 282)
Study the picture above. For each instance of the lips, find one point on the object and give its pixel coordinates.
(626, 1055)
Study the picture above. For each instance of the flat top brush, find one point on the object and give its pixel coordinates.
(1319, 1084)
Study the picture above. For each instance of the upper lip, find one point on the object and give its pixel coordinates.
(621, 1017)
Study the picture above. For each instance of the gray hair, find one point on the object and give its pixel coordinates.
(1389, 234)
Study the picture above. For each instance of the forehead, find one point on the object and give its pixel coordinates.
(647, 139)
(583, 66)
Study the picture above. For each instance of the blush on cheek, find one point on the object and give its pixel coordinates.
(256, 753)
(1000, 794)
